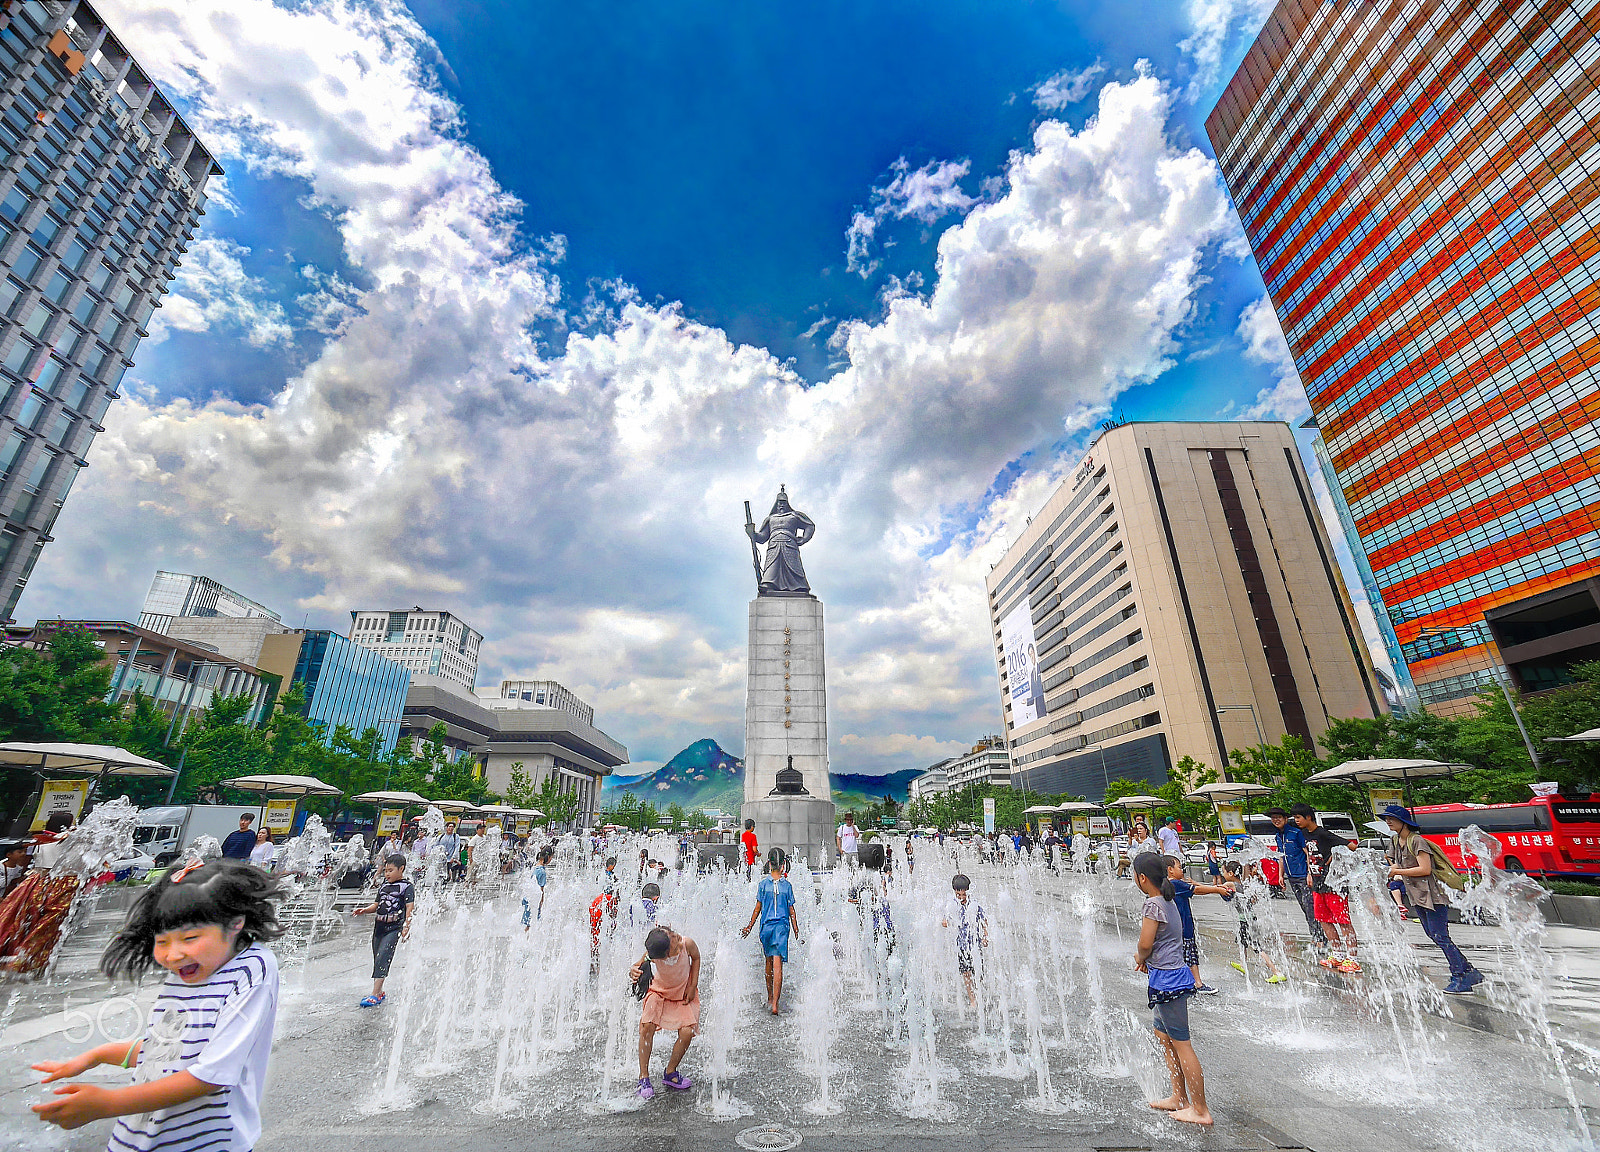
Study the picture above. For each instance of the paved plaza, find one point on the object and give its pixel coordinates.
(1307, 1065)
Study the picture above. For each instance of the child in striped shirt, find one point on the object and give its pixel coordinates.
(200, 1068)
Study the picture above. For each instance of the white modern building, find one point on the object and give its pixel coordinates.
(208, 614)
(548, 693)
(425, 640)
(987, 763)
(932, 782)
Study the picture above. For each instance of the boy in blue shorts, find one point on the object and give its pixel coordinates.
(775, 908)
(1182, 892)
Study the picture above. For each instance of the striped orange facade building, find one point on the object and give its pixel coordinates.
(1418, 181)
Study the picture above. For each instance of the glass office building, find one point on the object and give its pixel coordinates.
(1418, 183)
(351, 685)
(101, 187)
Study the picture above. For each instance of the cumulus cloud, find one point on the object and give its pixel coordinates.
(1214, 22)
(1264, 343)
(927, 194)
(584, 510)
(212, 290)
(1067, 87)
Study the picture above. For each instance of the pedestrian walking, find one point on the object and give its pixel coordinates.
(1419, 865)
(1296, 867)
(200, 1068)
(391, 911)
(1331, 909)
(672, 1003)
(775, 909)
(1160, 958)
(1168, 838)
(265, 850)
(751, 846)
(972, 928)
(238, 843)
(847, 840)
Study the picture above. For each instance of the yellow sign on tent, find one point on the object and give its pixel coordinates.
(1383, 797)
(389, 819)
(280, 817)
(1080, 825)
(1231, 818)
(60, 796)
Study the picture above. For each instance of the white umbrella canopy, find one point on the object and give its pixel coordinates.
(1038, 808)
(534, 813)
(389, 798)
(1376, 771)
(1576, 737)
(1137, 802)
(1227, 790)
(452, 805)
(1078, 806)
(90, 758)
(287, 785)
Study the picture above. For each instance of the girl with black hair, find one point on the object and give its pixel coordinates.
(200, 1068)
(1160, 956)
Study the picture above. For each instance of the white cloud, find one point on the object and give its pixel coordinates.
(1264, 343)
(927, 194)
(1067, 87)
(1213, 23)
(583, 511)
(212, 290)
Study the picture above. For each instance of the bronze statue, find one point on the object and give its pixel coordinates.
(783, 532)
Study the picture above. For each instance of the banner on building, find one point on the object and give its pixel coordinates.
(1024, 685)
(280, 817)
(988, 813)
(1383, 797)
(389, 819)
(1080, 825)
(1099, 825)
(60, 796)
(1231, 818)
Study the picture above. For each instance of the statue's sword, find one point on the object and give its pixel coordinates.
(755, 554)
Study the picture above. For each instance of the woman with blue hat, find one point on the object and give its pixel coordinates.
(1411, 860)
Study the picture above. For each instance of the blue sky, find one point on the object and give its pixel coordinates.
(505, 308)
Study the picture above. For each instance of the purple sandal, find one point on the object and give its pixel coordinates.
(678, 1081)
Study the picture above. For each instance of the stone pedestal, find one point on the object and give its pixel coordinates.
(786, 715)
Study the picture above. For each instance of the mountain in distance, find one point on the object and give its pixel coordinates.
(705, 776)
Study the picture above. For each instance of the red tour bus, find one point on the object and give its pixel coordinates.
(1547, 836)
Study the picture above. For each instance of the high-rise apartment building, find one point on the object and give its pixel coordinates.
(1418, 180)
(101, 187)
(986, 762)
(423, 640)
(1178, 596)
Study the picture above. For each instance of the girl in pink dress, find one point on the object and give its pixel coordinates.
(672, 1003)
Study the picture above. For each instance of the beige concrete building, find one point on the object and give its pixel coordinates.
(1177, 596)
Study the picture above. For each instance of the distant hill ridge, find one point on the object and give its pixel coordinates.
(703, 775)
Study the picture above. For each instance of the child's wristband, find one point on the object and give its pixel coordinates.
(127, 1057)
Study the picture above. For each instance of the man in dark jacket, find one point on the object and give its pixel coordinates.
(239, 844)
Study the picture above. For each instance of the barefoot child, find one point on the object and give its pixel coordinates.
(200, 1068)
(391, 911)
(673, 1003)
(971, 925)
(1160, 956)
(775, 907)
(1250, 929)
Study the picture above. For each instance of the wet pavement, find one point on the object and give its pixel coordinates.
(1062, 1059)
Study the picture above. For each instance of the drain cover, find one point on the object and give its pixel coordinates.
(768, 1138)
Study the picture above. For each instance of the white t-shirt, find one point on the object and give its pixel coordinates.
(261, 855)
(849, 837)
(220, 1032)
(1169, 841)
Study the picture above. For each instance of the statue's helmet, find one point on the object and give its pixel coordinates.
(781, 504)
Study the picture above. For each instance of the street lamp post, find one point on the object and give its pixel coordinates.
(1501, 678)
(1261, 736)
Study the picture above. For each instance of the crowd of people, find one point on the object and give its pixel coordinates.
(199, 1068)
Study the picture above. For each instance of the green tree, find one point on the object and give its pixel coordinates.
(562, 807)
(519, 788)
(58, 693)
(1284, 767)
